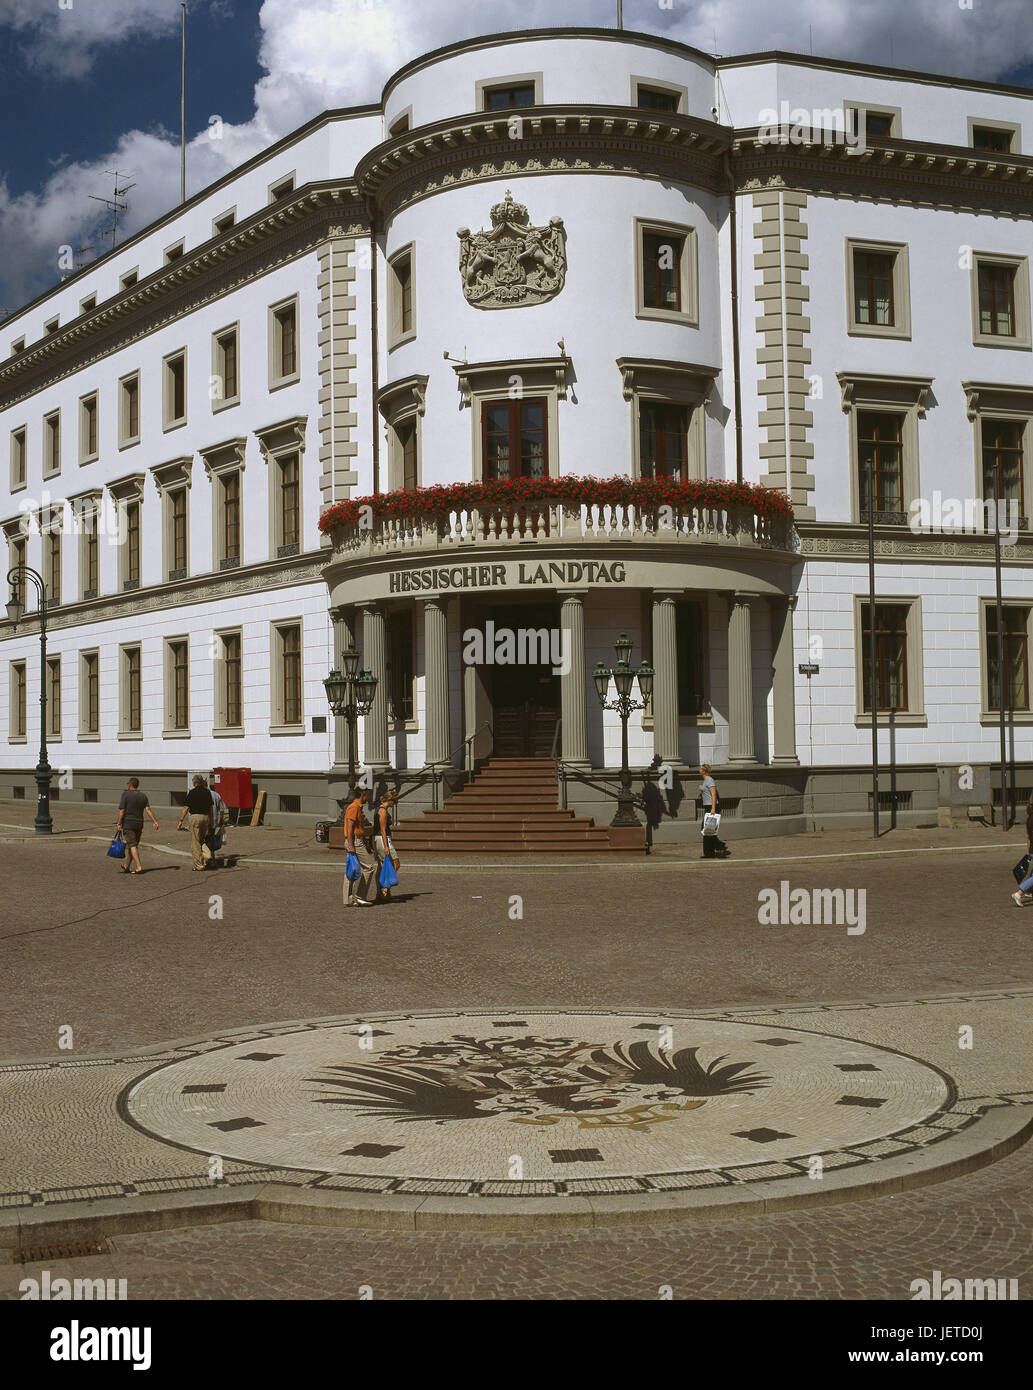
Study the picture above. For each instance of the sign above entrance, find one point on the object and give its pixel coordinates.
(515, 574)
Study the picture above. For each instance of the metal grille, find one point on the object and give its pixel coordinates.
(67, 1250)
(886, 801)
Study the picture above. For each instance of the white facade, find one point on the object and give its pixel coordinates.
(810, 379)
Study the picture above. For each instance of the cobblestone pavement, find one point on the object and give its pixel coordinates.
(972, 1227)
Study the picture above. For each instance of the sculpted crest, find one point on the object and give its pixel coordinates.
(513, 264)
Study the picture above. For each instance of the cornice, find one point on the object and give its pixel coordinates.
(980, 395)
(898, 171)
(634, 369)
(913, 389)
(281, 232)
(849, 541)
(306, 569)
(553, 139)
(535, 371)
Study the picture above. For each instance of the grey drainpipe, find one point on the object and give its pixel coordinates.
(375, 339)
(734, 253)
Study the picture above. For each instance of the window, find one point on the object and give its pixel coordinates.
(287, 695)
(225, 383)
(224, 223)
(878, 290)
(400, 304)
(174, 252)
(89, 548)
(690, 636)
(514, 439)
(53, 697)
(666, 276)
(1015, 630)
(129, 278)
(87, 305)
(880, 448)
(51, 325)
(18, 458)
(88, 445)
(229, 508)
(17, 346)
(289, 505)
(18, 728)
(228, 710)
(1002, 461)
(994, 137)
(281, 188)
(129, 410)
(283, 344)
(177, 686)
(131, 545)
(52, 443)
(130, 711)
(89, 693)
(401, 123)
(657, 98)
(52, 561)
(890, 655)
(407, 434)
(1000, 308)
(663, 437)
(174, 396)
(401, 666)
(16, 550)
(508, 95)
(176, 503)
(878, 123)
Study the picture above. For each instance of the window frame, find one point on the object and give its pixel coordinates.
(170, 421)
(52, 443)
(221, 461)
(484, 86)
(277, 380)
(893, 395)
(54, 704)
(662, 382)
(129, 278)
(1011, 128)
(126, 439)
(402, 406)
(126, 695)
(89, 685)
(53, 557)
(230, 213)
(856, 111)
(987, 609)
(86, 454)
(1014, 404)
(514, 405)
(653, 84)
(279, 724)
(170, 728)
(19, 449)
(86, 512)
(232, 330)
(398, 722)
(688, 272)
(396, 128)
(901, 289)
(915, 714)
(18, 701)
(278, 442)
(397, 333)
(174, 252)
(221, 727)
(282, 187)
(1021, 339)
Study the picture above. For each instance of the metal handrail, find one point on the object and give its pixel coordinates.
(432, 771)
(564, 771)
(555, 739)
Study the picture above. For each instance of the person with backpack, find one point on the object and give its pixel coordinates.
(713, 848)
(382, 822)
(1024, 896)
(217, 835)
(362, 891)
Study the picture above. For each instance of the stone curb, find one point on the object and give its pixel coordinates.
(998, 1133)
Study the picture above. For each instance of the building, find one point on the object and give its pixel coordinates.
(571, 252)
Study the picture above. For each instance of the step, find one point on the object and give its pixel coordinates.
(517, 762)
(502, 832)
(541, 847)
(459, 815)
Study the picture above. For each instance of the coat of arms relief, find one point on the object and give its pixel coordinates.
(513, 264)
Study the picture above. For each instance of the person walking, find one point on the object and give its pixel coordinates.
(382, 823)
(1024, 896)
(199, 809)
(362, 891)
(131, 810)
(713, 848)
(217, 837)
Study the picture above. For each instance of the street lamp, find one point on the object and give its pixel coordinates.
(350, 694)
(16, 611)
(624, 679)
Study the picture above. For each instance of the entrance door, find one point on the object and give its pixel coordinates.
(525, 696)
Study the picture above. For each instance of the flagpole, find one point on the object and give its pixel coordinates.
(183, 107)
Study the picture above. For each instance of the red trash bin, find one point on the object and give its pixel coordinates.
(234, 786)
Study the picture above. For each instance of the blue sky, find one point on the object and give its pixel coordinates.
(88, 84)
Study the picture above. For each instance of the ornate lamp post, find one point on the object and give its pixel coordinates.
(350, 694)
(624, 680)
(15, 611)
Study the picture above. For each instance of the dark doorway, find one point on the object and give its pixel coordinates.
(525, 695)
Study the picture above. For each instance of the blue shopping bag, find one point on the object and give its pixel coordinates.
(388, 877)
(117, 848)
(352, 867)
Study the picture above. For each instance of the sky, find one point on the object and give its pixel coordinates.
(90, 86)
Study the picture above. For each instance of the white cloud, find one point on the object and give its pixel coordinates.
(320, 53)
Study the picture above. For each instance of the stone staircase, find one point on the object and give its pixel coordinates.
(510, 807)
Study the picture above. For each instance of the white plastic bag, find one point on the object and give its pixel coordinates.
(711, 822)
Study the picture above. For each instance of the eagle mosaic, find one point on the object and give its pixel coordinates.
(534, 1081)
(513, 264)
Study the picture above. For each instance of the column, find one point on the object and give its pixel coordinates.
(375, 749)
(783, 680)
(740, 681)
(574, 732)
(666, 742)
(435, 650)
(344, 636)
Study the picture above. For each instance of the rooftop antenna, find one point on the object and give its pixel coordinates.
(79, 253)
(810, 38)
(620, 14)
(183, 107)
(115, 204)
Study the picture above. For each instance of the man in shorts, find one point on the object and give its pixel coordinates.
(130, 821)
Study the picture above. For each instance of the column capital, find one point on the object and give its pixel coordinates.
(579, 594)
